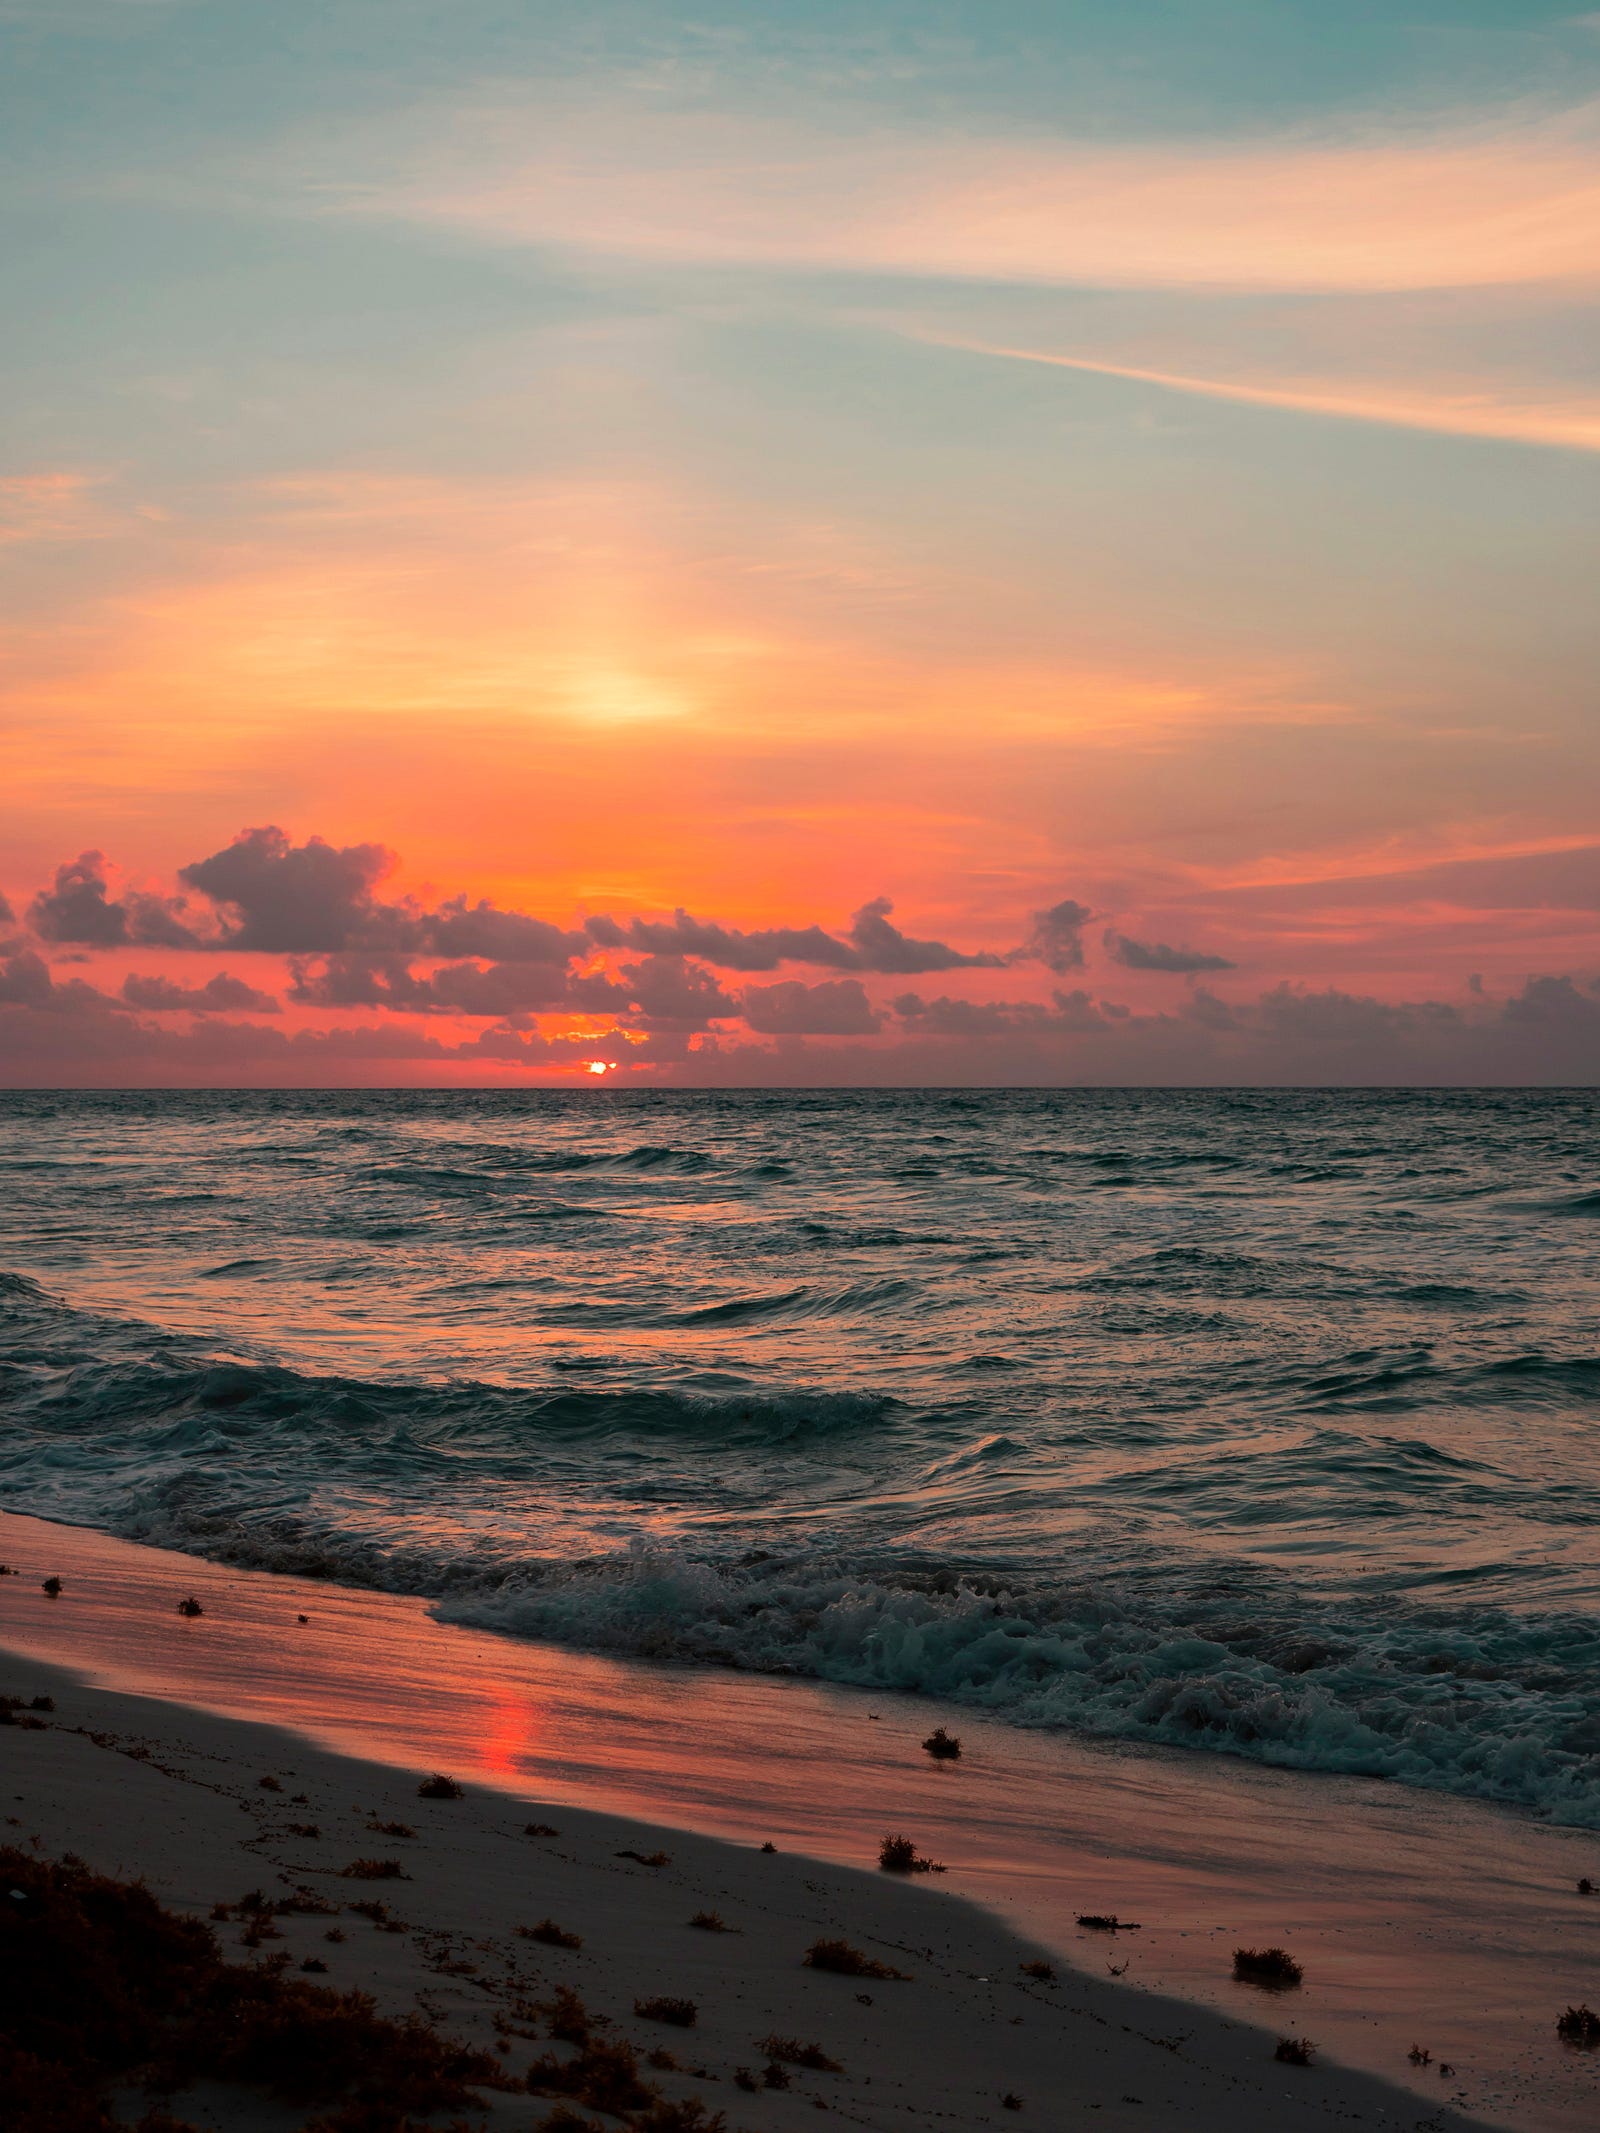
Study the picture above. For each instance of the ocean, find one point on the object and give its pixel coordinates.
(1261, 1423)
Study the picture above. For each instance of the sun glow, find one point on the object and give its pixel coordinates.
(598, 1066)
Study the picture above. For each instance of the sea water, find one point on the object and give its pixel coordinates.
(1257, 1422)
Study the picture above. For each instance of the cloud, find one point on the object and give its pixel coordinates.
(838, 1007)
(1055, 938)
(1495, 197)
(944, 1017)
(295, 899)
(27, 981)
(483, 930)
(1550, 418)
(356, 979)
(665, 992)
(725, 946)
(880, 946)
(79, 909)
(8, 917)
(220, 995)
(1156, 955)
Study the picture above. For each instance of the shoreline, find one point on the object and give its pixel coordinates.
(724, 1758)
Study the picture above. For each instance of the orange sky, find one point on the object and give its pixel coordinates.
(763, 488)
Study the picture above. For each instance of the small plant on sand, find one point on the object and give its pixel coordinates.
(769, 1847)
(689, 2115)
(712, 1922)
(1295, 2051)
(682, 2014)
(374, 1870)
(334, 1933)
(539, 1829)
(744, 2079)
(563, 2119)
(314, 1962)
(269, 1784)
(438, 1787)
(898, 1855)
(1579, 2025)
(661, 2060)
(391, 1829)
(379, 1913)
(52, 1587)
(647, 1858)
(1010, 2101)
(1107, 1922)
(308, 1830)
(1044, 1972)
(1419, 2057)
(845, 1961)
(603, 2076)
(792, 2052)
(190, 1607)
(1274, 1968)
(550, 1935)
(570, 2020)
(942, 1746)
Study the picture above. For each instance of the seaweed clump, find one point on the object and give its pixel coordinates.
(942, 1746)
(1579, 2025)
(1274, 1968)
(898, 1855)
(1295, 2051)
(438, 1787)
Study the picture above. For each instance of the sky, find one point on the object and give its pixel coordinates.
(984, 541)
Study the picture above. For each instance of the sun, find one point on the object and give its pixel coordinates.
(597, 1066)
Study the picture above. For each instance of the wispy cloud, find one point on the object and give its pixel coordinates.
(1572, 424)
(1493, 198)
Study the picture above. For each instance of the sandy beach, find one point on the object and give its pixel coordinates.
(170, 1787)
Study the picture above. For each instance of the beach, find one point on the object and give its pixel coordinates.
(151, 1765)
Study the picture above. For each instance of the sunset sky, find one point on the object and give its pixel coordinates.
(1001, 541)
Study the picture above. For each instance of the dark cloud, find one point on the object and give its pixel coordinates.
(78, 907)
(496, 936)
(288, 899)
(945, 1017)
(8, 917)
(874, 944)
(1556, 1003)
(79, 910)
(666, 992)
(388, 981)
(26, 980)
(838, 1007)
(220, 995)
(880, 946)
(725, 946)
(1156, 955)
(1055, 938)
